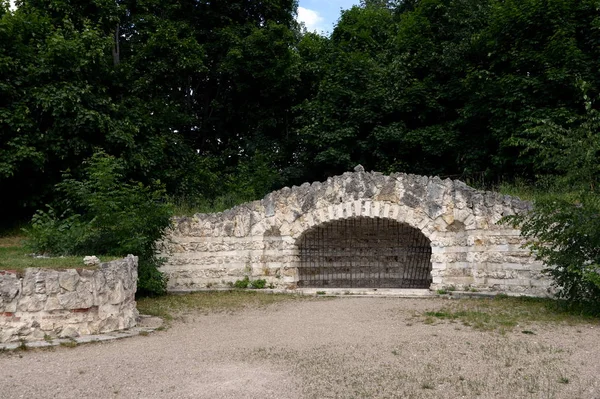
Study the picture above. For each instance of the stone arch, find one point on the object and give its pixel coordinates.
(259, 239)
(364, 252)
(367, 208)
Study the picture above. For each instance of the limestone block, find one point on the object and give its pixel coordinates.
(69, 300)
(375, 212)
(52, 303)
(85, 299)
(458, 281)
(10, 286)
(99, 282)
(68, 279)
(48, 323)
(461, 214)
(388, 192)
(28, 283)
(462, 196)
(357, 206)
(52, 283)
(458, 272)
(345, 210)
(440, 224)
(470, 223)
(40, 281)
(9, 306)
(32, 303)
(241, 226)
(69, 332)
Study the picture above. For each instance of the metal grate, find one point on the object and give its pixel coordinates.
(364, 253)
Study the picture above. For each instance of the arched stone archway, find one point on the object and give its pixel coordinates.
(362, 252)
(263, 239)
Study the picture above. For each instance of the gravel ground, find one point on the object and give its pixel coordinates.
(342, 348)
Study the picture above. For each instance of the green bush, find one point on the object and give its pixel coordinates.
(52, 234)
(103, 214)
(565, 236)
(242, 283)
(562, 230)
(246, 283)
(258, 284)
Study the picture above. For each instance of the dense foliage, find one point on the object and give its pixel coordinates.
(103, 214)
(563, 230)
(223, 101)
(565, 236)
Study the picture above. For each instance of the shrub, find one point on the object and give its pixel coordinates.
(246, 283)
(52, 234)
(103, 214)
(565, 236)
(258, 284)
(563, 230)
(242, 283)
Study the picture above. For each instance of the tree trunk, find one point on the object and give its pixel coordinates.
(116, 49)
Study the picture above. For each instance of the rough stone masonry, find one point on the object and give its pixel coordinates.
(48, 303)
(261, 239)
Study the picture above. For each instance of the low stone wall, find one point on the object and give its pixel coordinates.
(261, 239)
(51, 303)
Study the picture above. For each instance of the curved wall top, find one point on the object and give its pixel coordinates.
(259, 238)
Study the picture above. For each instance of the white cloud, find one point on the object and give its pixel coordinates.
(312, 19)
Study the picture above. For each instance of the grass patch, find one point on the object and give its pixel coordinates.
(529, 191)
(504, 313)
(11, 241)
(190, 206)
(169, 307)
(14, 256)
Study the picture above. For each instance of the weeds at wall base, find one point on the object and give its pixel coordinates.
(503, 314)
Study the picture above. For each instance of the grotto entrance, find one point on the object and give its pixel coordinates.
(364, 252)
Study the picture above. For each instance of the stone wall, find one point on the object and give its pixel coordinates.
(260, 239)
(44, 303)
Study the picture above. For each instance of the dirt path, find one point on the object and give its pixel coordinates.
(343, 348)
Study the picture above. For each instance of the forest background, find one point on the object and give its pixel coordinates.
(215, 103)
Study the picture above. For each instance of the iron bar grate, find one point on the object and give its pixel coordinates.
(364, 253)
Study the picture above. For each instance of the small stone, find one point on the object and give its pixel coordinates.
(68, 332)
(68, 279)
(359, 169)
(91, 261)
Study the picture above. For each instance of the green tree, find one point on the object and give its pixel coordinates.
(335, 124)
(564, 234)
(563, 230)
(181, 91)
(53, 105)
(391, 92)
(526, 66)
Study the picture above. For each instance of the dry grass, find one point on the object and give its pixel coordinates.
(443, 359)
(345, 347)
(11, 241)
(173, 306)
(504, 314)
(492, 369)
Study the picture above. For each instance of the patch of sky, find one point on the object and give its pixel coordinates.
(321, 15)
